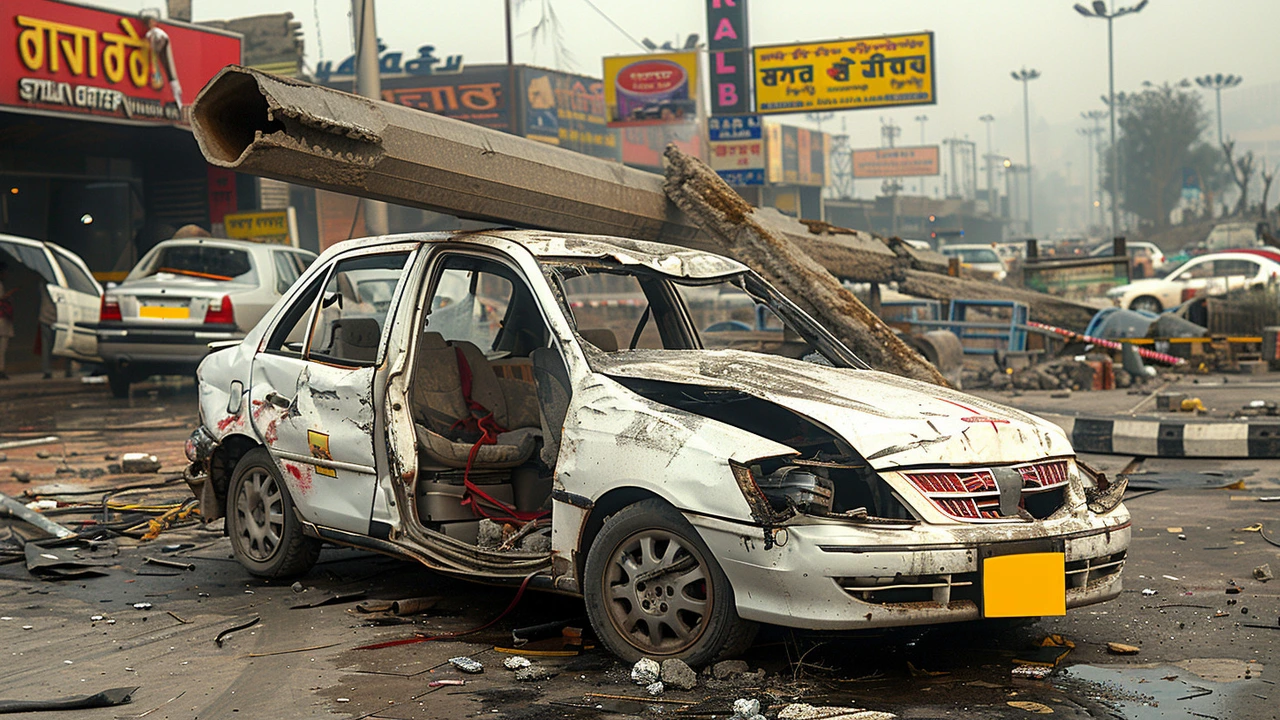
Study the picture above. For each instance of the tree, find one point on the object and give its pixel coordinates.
(1241, 173)
(1210, 168)
(1159, 129)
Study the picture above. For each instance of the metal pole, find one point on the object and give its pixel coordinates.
(1026, 126)
(511, 71)
(368, 84)
(1218, 92)
(1115, 153)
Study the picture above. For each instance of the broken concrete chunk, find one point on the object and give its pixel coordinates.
(466, 665)
(139, 463)
(654, 689)
(516, 662)
(533, 673)
(645, 672)
(21, 476)
(1116, 648)
(490, 534)
(1262, 573)
(539, 543)
(678, 674)
(728, 668)
(804, 711)
(746, 709)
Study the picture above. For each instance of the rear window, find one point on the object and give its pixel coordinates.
(202, 261)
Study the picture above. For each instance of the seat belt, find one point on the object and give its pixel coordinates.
(480, 420)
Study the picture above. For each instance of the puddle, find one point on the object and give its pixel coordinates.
(1163, 692)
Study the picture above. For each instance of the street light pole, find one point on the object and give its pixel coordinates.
(368, 84)
(1099, 10)
(991, 188)
(1025, 76)
(1218, 83)
(922, 119)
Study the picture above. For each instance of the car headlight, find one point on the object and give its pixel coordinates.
(776, 490)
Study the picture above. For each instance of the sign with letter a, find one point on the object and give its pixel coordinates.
(730, 58)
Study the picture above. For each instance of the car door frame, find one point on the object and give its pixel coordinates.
(315, 478)
(66, 329)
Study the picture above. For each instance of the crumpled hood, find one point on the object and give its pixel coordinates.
(892, 421)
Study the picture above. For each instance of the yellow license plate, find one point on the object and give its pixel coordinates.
(1024, 585)
(164, 313)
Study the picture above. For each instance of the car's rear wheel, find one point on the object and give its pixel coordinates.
(119, 382)
(654, 590)
(266, 536)
(1146, 303)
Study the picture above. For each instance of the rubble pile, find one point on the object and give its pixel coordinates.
(1091, 372)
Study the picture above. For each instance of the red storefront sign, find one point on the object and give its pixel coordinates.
(61, 57)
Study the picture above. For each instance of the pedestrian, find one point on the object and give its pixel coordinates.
(6, 318)
(48, 316)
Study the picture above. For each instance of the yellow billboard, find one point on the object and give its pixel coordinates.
(279, 227)
(883, 71)
(655, 89)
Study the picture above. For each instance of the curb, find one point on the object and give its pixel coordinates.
(1169, 439)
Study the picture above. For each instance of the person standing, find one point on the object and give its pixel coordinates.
(6, 318)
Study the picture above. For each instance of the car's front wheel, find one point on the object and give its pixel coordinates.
(266, 536)
(653, 589)
(1146, 303)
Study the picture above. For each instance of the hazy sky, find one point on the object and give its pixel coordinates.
(978, 43)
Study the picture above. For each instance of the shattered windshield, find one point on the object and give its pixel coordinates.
(619, 308)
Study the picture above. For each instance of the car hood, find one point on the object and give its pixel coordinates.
(179, 284)
(892, 421)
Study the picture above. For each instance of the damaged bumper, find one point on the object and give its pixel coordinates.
(834, 577)
(199, 449)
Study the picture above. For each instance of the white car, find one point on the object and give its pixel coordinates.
(71, 286)
(1212, 274)
(1136, 250)
(558, 386)
(185, 294)
(980, 258)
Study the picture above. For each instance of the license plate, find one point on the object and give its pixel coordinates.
(164, 312)
(1024, 584)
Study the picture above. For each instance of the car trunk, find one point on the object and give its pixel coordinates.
(172, 300)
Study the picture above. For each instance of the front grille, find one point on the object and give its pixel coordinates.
(973, 496)
(1082, 573)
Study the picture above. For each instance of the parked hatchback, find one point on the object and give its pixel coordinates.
(71, 287)
(182, 296)
(540, 409)
(1212, 274)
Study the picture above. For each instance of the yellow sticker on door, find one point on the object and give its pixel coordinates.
(319, 443)
(1024, 585)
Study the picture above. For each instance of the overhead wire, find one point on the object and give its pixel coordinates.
(615, 25)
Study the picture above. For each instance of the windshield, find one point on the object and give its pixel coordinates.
(618, 309)
(209, 262)
(973, 255)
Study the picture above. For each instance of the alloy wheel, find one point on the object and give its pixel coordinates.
(657, 593)
(260, 514)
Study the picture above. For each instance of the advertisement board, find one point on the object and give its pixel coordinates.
(728, 48)
(736, 127)
(278, 227)
(476, 95)
(885, 71)
(569, 111)
(796, 156)
(642, 146)
(655, 89)
(64, 58)
(896, 162)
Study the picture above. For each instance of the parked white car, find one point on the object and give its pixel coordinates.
(1136, 250)
(557, 384)
(185, 294)
(74, 292)
(1213, 274)
(980, 258)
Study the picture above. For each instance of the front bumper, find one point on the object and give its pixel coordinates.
(837, 577)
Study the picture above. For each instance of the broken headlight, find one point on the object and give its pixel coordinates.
(791, 487)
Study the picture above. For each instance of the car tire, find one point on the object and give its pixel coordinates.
(1146, 303)
(119, 382)
(266, 535)
(690, 614)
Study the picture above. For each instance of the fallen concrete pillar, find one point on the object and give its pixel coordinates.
(724, 215)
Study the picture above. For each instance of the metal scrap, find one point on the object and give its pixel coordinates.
(106, 698)
(235, 628)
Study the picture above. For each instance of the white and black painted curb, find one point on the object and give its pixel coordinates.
(1170, 438)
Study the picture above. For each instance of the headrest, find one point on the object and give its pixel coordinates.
(360, 332)
(432, 341)
(602, 338)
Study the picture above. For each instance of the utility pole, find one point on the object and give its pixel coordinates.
(1025, 76)
(889, 132)
(368, 84)
(922, 119)
(991, 186)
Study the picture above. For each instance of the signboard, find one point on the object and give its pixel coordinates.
(797, 156)
(642, 146)
(896, 162)
(391, 64)
(569, 111)
(739, 162)
(476, 95)
(727, 45)
(64, 58)
(741, 127)
(873, 72)
(652, 89)
(279, 227)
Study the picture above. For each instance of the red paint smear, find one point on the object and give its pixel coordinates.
(228, 421)
(303, 480)
(272, 434)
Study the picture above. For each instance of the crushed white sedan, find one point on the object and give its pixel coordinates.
(556, 410)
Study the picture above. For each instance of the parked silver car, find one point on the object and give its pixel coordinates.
(182, 296)
(71, 287)
(540, 408)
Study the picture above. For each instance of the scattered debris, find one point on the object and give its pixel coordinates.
(535, 673)
(655, 688)
(445, 683)
(728, 668)
(139, 463)
(746, 709)
(1116, 648)
(235, 628)
(466, 665)
(22, 512)
(330, 600)
(1263, 573)
(11, 444)
(1031, 672)
(106, 698)
(1031, 707)
(917, 672)
(646, 672)
(677, 674)
(297, 587)
(804, 711)
(169, 563)
(516, 662)
(413, 606)
(57, 560)
(1148, 592)
(1048, 653)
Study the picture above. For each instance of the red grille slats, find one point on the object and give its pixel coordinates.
(973, 495)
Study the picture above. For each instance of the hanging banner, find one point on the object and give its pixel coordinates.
(896, 162)
(655, 89)
(885, 71)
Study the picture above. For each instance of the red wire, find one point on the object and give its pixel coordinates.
(448, 636)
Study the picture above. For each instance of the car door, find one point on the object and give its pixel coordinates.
(77, 304)
(312, 392)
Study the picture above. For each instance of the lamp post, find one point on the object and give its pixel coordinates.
(1095, 199)
(1025, 76)
(1099, 10)
(991, 188)
(922, 119)
(1218, 83)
